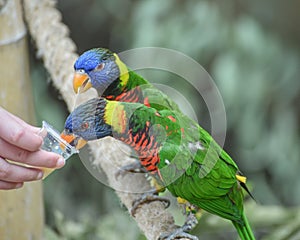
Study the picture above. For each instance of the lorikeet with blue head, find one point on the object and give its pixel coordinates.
(103, 70)
(175, 150)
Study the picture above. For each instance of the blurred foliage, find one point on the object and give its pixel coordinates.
(250, 48)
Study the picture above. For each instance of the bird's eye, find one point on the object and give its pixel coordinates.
(85, 125)
(100, 66)
(81, 71)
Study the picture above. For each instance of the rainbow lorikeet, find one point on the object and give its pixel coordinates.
(180, 154)
(102, 69)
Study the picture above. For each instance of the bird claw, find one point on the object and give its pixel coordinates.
(177, 234)
(181, 232)
(146, 198)
(190, 223)
(134, 167)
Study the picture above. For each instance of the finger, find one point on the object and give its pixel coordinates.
(10, 185)
(15, 133)
(14, 173)
(38, 158)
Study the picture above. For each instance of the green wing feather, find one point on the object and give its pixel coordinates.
(156, 98)
(194, 167)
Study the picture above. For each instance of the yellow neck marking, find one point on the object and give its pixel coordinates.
(115, 116)
(124, 75)
(241, 178)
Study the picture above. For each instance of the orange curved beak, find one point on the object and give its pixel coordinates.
(81, 82)
(77, 142)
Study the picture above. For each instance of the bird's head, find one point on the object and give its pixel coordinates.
(98, 68)
(86, 123)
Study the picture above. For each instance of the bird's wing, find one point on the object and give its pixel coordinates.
(157, 99)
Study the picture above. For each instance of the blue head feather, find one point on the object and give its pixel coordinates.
(69, 124)
(87, 120)
(91, 59)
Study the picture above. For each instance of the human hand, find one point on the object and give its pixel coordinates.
(21, 143)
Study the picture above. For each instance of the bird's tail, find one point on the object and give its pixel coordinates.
(244, 230)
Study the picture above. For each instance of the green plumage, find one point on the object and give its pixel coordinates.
(182, 155)
(205, 175)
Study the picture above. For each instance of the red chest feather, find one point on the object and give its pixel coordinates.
(145, 146)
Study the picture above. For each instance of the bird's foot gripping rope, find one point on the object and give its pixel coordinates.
(182, 232)
(134, 167)
(146, 198)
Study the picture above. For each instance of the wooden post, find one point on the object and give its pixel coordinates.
(21, 211)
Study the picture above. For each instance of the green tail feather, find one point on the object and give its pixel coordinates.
(244, 231)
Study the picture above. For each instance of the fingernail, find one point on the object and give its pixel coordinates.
(40, 175)
(60, 162)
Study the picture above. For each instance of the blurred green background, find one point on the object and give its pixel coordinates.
(251, 50)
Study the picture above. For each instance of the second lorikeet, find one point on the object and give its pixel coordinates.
(102, 69)
(180, 154)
